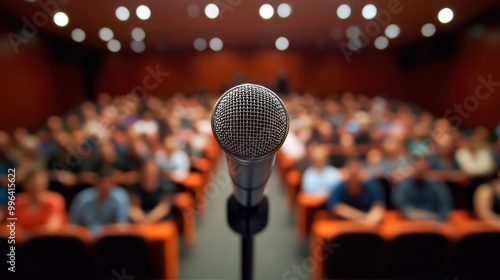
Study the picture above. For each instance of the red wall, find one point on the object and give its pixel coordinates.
(311, 71)
(33, 87)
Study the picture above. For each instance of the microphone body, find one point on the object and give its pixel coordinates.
(250, 123)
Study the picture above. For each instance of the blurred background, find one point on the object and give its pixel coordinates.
(390, 168)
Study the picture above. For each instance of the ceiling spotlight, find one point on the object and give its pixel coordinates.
(138, 34)
(200, 44)
(137, 46)
(212, 11)
(282, 43)
(428, 30)
(216, 44)
(392, 31)
(343, 11)
(114, 45)
(78, 35)
(445, 15)
(122, 13)
(284, 10)
(369, 11)
(381, 42)
(61, 19)
(143, 12)
(106, 34)
(266, 11)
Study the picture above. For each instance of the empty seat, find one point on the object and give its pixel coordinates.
(62, 255)
(416, 250)
(125, 255)
(145, 251)
(476, 251)
(345, 249)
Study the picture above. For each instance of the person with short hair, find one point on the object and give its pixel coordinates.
(420, 198)
(104, 203)
(357, 198)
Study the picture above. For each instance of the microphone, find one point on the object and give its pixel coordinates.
(250, 123)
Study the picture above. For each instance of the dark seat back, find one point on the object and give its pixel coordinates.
(55, 257)
(357, 256)
(476, 256)
(417, 256)
(125, 255)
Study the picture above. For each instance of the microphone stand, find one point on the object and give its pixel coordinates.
(247, 221)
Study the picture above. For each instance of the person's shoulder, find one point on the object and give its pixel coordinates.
(86, 194)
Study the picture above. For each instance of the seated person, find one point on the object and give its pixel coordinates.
(173, 162)
(151, 198)
(487, 201)
(37, 206)
(356, 198)
(319, 178)
(419, 198)
(101, 204)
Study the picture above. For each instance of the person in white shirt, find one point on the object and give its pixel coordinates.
(173, 161)
(146, 125)
(476, 159)
(320, 178)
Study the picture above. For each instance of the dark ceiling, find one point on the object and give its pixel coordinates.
(310, 23)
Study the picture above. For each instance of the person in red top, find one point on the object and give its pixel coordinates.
(37, 206)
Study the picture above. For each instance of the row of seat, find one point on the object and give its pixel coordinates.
(143, 251)
(397, 249)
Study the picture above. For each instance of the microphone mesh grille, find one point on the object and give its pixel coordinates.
(250, 121)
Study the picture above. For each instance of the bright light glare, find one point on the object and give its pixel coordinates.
(282, 43)
(106, 34)
(381, 42)
(369, 11)
(266, 11)
(114, 45)
(143, 12)
(78, 35)
(122, 13)
(343, 11)
(216, 44)
(284, 10)
(428, 30)
(212, 11)
(392, 31)
(61, 19)
(445, 15)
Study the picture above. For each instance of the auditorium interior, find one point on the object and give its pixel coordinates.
(111, 167)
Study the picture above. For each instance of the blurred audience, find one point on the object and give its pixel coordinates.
(319, 178)
(151, 198)
(38, 207)
(419, 198)
(487, 201)
(357, 198)
(104, 203)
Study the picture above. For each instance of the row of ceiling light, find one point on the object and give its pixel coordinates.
(266, 11)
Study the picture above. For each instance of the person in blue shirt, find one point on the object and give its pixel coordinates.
(319, 178)
(101, 204)
(420, 198)
(357, 198)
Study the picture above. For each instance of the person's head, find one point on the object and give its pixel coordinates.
(171, 144)
(420, 167)
(150, 174)
(318, 156)
(105, 180)
(353, 172)
(36, 182)
(374, 156)
(147, 115)
(108, 152)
